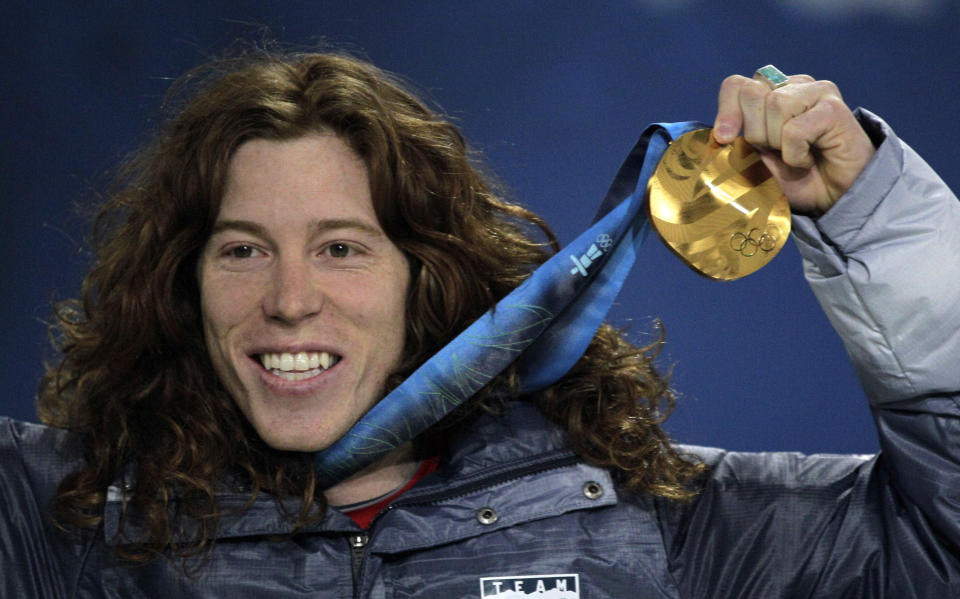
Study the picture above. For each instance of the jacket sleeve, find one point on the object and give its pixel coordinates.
(884, 263)
(886, 269)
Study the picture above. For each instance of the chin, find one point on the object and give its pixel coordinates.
(300, 441)
(301, 445)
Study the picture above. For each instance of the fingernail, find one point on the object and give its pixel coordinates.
(722, 132)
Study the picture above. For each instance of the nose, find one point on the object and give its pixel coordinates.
(294, 294)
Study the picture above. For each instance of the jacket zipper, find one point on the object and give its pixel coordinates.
(358, 550)
(359, 541)
(550, 464)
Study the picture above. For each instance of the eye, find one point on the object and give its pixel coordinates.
(339, 250)
(242, 251)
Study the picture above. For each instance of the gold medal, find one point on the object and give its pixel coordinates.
(717, 207)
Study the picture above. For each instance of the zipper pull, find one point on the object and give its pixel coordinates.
(359, 541)
(358, 546)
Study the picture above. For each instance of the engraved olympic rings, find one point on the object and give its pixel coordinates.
(604, 241)
(756, 240)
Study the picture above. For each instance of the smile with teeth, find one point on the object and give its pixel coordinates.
(298, 366)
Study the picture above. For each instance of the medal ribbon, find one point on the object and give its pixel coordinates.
(550, 319)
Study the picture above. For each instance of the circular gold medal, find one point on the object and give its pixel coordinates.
(717, 207)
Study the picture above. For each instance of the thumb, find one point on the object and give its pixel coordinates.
(803, 187)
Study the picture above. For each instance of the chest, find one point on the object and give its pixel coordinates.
(605, 552)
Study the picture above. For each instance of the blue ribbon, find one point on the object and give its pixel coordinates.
(550, 318)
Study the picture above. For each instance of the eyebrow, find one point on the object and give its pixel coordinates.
(318, 226)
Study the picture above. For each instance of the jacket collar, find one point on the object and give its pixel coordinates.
(504, 471)
(479, 472)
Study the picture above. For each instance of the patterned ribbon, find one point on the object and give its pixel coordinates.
(550, 318)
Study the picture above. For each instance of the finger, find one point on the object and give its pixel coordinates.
(787, 176)
(741, 106)
(807, 114)
(802, 78)
(802, 186)
(729, 119)
(785, 102)
(753, 100)
(818, 130)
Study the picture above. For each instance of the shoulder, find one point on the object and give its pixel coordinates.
(776, 469)
(34, 458)
(36, 561)
(785, 487)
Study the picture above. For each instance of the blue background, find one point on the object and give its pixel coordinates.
(554, 94)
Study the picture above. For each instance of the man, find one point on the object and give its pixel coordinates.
(304, 234)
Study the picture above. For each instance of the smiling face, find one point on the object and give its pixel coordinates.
(303, 295)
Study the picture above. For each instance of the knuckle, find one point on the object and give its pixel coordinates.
(733, 80)
(778, 100)
(834, 104)
(753, 92)
(730, 88)
(827, 88)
